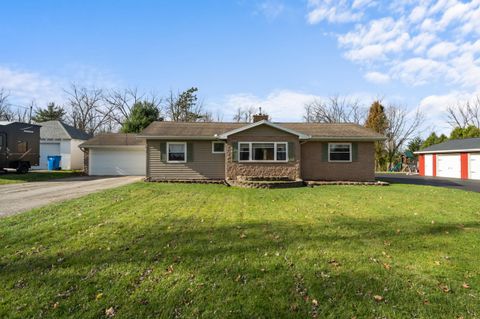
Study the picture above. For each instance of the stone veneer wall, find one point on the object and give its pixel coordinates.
(85, 160)
(285, 169)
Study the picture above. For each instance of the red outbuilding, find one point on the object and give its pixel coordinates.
(453, 158)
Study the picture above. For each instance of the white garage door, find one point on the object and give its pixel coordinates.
(428, 165)
(449, 166)
(47, 149)
(474, 166)
(110, 161)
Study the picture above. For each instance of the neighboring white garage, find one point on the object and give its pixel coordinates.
(60, 139)
(452, 159)
(449, 165)
(115, 154)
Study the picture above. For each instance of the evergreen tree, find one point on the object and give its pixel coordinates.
(467, 132)
(415, 144)
(50, 113)
(433, 139)
(141, 115)
(377, 121)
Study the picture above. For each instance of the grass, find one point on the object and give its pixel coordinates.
(151, 250)
(32, 176)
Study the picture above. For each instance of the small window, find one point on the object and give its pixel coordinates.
(177, 152)
(218, 147)
(22, 146)
(244, 151)
(339, 152)
(281, 151)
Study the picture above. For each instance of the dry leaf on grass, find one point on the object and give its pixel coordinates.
(466, 286)
(378, 298)
(110, 312)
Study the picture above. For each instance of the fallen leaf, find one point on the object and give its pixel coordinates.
(243, 235)
(169, 269)
(378, 298)
(426, 302)
(315, 302)
(466, 286)
(99, 296)
(445, 288)
(437, 263)
(387, 266)
(110, 312)
(55, 305)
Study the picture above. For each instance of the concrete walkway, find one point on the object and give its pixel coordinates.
(16, 198)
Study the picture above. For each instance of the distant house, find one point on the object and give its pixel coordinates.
(57, 138)
(454, 158)
(231, 151)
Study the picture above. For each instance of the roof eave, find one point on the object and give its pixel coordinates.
(348, 138)
(164, 137)
(263, 122)
(449, 151)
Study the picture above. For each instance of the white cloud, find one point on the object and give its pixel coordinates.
(281, 105)
(441, 50)
(339, 11)
(377, 77)
(25, 86)
(271, 9)
(415, 41)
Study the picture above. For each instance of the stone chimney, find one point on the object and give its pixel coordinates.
(260, 116)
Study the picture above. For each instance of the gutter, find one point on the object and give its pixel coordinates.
(449, 151)
(218, 137)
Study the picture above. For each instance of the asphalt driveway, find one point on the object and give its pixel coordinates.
(466, 185)
(16, 198)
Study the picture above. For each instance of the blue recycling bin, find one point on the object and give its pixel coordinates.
(54, 163)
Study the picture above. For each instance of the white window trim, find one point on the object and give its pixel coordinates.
(250, 160)
(213, 147)
(337, 161)
(168, 152)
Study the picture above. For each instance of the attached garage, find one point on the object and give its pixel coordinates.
(451, 159)
(113, 161)
(114, 155)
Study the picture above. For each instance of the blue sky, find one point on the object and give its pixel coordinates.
(274, 53)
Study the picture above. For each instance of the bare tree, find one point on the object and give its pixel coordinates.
(88, 112)
(244, 114)
(335, 109)
(464, 114)
(6, 113)
(400, 129)
(185, 107)
(121, 102)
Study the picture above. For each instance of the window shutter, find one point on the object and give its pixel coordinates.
(291, 151)
(189, 152)
(324, 152)
(235, 152)
(354, 152)
(163, 152)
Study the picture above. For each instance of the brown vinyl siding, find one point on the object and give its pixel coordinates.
(316, 167)
(205, 164)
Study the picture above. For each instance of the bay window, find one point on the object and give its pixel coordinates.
(262, 151)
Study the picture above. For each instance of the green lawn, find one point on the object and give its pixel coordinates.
(180, 251)
(12, 178)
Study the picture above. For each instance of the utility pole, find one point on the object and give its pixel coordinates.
(30, 117)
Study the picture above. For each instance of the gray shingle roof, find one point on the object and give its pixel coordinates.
(60, 130)
(454, 145)
(113, 139)
(209, 130)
